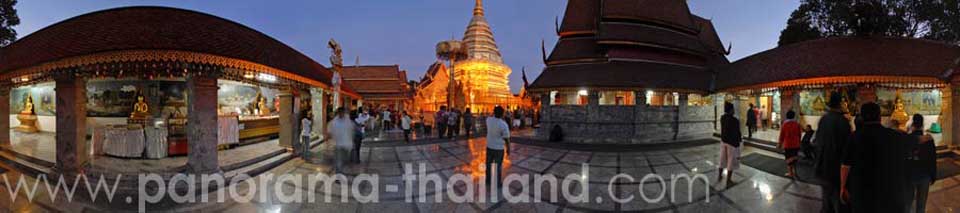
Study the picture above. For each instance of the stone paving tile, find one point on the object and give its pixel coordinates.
(575, 158)
(551, 155)
(652, 196)
(535, 164)
(753, 190)
(658, 160)
(606, 159)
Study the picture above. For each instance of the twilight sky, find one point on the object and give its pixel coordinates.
(405, 32)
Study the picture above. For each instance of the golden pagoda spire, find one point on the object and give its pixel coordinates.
(478, 9)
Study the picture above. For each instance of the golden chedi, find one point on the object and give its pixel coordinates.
(27, 117)
(141, 112)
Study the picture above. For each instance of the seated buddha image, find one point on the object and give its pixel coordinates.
(140, 109)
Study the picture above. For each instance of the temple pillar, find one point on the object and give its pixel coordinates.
(682, 106)
(202, 124)
(5, 122)
(319, 114)
(288, 122)
(71, 136)
(954, 130)
(945, 119)
(593, 117)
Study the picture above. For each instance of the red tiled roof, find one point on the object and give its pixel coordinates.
(708, 34)
(846, 56)
(584, 16)
(575, 48)
(157, 28)
(371, 72)
(376, 81)
(619, 74)
(654, 44)
(647, 34)
(673, 13)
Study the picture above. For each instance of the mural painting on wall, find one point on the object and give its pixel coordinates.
(812, 102)
(245, 99)
(44, 99)
(115, 98)
(924, 102)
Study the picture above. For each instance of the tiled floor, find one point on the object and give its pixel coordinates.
(42, 146)
(753, 190)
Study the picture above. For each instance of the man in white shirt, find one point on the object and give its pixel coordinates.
(362, 119)
(387, 121)
(405, 125)
(498, 140)
(341, 130)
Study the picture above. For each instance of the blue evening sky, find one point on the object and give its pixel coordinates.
(404, 32)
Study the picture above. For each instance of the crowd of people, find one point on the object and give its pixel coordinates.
(346, 130)
(862, 167)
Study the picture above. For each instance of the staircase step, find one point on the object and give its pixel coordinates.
(24, 165)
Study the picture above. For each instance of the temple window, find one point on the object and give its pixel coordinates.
(617, 98)
(568, 97)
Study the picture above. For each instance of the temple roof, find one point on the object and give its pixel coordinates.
(843, 57)
(374, 81)
(157, 28)
(648, 38)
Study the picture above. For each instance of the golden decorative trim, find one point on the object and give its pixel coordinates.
(162, 56)
(839, 80)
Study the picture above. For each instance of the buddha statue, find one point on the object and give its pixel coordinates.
(899, 113)
(28, 106)
(141, 112)
(27, 117)
(262, 106)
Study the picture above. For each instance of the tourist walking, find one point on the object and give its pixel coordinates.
(358, 135)
(730, 148)
(440, 121)
(498, 140)
(922, 167)
(452, 123)
(467, 122)
(341, 130)
(387, 120)
(459, 122)
(872, 175)
(405, 125)
(751, 121)
(806, 143)
(306, 127)
(833, 132)
(790, 142)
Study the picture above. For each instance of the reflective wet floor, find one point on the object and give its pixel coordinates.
(752, 190)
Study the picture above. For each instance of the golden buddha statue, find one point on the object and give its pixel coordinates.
(141, 112)
(899, 113)
(262, 106)
(27, 117)
(28, 106)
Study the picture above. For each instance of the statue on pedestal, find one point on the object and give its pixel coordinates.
(141, 112)
(899, 114)
(27, 117)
